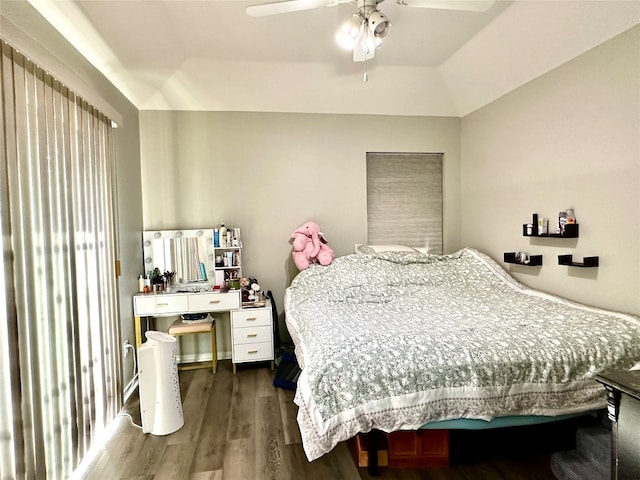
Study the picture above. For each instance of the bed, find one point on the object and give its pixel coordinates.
(396, 340)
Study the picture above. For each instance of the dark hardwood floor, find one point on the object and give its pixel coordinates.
(240, 427)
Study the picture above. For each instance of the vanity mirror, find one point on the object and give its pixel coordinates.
(188, 253)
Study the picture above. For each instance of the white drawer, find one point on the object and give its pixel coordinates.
(251, 317)
(252, 352)
(252, 335)
(212, 302)
(159, 304)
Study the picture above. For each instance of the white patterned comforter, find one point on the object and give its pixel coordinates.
(396, 340)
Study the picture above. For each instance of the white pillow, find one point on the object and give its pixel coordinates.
(360, 248)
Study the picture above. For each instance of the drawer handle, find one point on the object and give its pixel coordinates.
(214, 302)
(252, 351)
(163, 304)
(249, 319)
(252, 335)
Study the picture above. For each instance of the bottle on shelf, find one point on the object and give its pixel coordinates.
(571, 217)
(222, 232)
(141, 284)
(562, 221)
(235, 239)
(543, 226)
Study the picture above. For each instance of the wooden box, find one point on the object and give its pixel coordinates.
(419, 448)
(408, 448)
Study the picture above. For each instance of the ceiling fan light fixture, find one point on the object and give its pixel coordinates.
(349, 32)
(379, 24)
(363, 33)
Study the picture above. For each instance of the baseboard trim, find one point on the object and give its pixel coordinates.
(195, 357)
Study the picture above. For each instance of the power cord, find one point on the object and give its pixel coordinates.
(128, 347)
(128, 415)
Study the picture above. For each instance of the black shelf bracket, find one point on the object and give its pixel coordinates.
(586, 262)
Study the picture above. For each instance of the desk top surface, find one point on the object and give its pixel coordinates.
(184, 292)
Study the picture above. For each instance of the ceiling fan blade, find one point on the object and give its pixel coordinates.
(466, 5)
(287, 6)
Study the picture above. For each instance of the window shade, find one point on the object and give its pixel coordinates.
(404, 200)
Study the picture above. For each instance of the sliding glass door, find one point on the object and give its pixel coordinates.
(60, 368)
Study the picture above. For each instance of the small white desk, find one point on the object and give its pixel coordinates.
(251, 328)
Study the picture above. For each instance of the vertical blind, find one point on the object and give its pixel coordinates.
(404, 200)
(60, 371)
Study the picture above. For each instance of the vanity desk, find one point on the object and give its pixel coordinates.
(190, 255)
(251, 328)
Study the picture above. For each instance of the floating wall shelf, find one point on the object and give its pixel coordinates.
(534, 260)
(587, 261)
(571, 230)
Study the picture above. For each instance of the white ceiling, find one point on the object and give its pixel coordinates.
(209, 55)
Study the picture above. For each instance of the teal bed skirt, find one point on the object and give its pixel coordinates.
(498, 422)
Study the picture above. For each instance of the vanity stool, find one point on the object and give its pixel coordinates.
(179, 328)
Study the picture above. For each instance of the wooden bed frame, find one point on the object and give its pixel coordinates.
(429, 446)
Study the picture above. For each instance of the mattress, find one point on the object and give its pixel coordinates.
(395, 340)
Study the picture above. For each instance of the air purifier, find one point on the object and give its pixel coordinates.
(160, 402)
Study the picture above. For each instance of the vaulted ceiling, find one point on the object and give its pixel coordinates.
(209, 55)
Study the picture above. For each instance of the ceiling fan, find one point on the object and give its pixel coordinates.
(364, 31)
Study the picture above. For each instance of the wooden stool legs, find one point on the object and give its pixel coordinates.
(214, 348)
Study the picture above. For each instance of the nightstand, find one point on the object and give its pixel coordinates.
(623, 407)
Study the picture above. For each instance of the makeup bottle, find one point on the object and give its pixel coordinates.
(222, 233)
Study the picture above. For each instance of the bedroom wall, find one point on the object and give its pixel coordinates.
(567, 139)
(270, 172)
(27, 30)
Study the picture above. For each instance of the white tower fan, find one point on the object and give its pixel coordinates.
(160, 402)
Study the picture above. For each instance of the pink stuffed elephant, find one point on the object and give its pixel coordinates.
(309, 246)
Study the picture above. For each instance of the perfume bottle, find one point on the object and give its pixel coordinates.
(562, 221)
